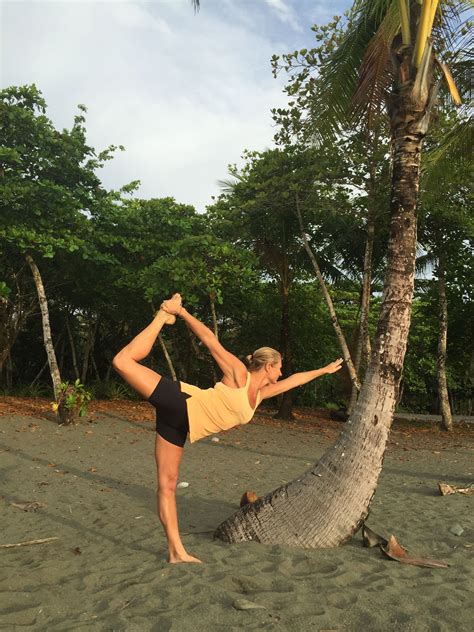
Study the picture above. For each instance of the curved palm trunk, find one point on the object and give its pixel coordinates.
(327, 504)
(446, 416)
(48, 342)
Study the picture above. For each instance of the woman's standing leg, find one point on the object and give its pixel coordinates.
(168, 457)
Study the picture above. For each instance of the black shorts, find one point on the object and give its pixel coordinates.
(171, 412)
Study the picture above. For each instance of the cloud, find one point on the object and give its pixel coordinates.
(184, 93)
(285, 13)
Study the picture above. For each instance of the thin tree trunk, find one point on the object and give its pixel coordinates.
(61, 353)
(48, 342)
(327, 504)
(202, 356)
(212, 300)
(362, 354)
(332, 312)
(9, 376)
(45, 365)
(286, 403)
(12, 319)
(89, 346)
(446, 416)
(73, 348)
(168, 357)
(96, 370)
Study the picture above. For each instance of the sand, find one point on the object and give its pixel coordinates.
(107, 570)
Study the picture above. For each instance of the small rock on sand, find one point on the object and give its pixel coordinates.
(456, 529)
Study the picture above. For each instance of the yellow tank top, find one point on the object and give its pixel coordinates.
(219, 408)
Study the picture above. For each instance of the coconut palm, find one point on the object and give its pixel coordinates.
(394, 54)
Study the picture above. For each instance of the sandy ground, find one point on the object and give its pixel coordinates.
(107, 569)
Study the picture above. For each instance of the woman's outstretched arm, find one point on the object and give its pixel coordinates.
(235, 373)
(298, 379)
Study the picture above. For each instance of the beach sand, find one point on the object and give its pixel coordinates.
(107, 570)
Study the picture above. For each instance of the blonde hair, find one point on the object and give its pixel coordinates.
(261, 357)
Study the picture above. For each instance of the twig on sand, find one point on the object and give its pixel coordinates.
(27, 543)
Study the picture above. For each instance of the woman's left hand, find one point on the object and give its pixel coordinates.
(334, 366)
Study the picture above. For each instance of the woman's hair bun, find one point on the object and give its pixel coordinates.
(249, 358)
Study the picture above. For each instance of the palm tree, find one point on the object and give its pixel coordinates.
(392, 54)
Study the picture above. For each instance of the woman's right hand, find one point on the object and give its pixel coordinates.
(172, 305)
(334, 366)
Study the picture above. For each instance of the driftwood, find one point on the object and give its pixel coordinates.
(27, 543)
(446, 490)
(395, 551)
(28, 505)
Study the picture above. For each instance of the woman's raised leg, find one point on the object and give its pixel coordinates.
(126, 362)
(168, 457)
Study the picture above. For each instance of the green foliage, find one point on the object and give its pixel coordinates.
(111, 257)
(73, 396)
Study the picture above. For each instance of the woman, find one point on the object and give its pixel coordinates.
(182, 408)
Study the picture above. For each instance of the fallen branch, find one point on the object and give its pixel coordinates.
(11, 546)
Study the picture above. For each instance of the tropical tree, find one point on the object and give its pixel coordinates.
(392, 53)
(263, 207)
(446, 231)
(47, 185)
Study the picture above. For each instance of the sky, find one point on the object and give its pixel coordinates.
(185, 93)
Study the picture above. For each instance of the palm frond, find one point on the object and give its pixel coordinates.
(453, 25)
(376, 73)
(451, 83)
(456, 146)
(404, 10)
(424, 262)
(339, 76)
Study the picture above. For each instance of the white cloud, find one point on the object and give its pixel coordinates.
(184, 93)
(285, 12)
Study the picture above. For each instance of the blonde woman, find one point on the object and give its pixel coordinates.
(182, 408)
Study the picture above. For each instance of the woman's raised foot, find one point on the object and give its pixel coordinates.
(168, 319)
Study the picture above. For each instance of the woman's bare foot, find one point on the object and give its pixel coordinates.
(168, 319)
(182, 557)
(172, 307)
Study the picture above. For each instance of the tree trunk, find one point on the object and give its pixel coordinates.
(202, 356)
(168, 357)
(73, 348)
(9, 372)
(212, 300)
(48, 342)
(327, 504)
(446, 417)
(12, 318)
(45, 365)
(286, 402)
(89, 347)
(332, 312)
(362, 355)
